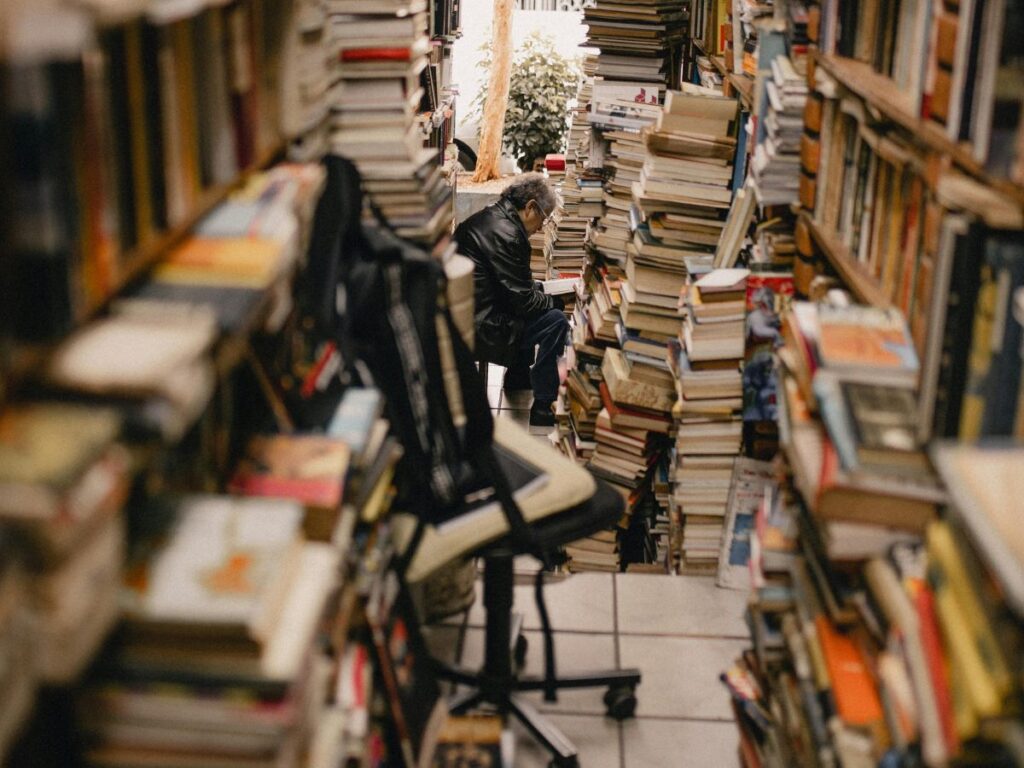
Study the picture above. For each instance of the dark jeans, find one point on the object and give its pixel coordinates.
(547, 334)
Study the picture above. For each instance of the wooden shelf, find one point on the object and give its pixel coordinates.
(141, 259)
(744, 85)
(881, 93)
(861, 283)
(27, 360)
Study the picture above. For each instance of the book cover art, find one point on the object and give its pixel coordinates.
(767, 297)
(208, 559)
(308, 468)
(866, 339)
(752, 485)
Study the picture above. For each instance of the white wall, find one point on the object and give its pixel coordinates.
(564, 28)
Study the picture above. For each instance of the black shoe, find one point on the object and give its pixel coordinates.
(542, 419)
(517, 379)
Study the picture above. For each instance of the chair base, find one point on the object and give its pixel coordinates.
(497, 684)
(620, 701)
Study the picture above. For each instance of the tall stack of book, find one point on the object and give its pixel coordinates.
(222, 601)
(639, 42)
(381, 54)
(568, 250)
(637, 402)
(775, 167)
(568, 245)
(709, 432)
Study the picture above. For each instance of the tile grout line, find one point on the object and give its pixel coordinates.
(618, 633)
(618, 664)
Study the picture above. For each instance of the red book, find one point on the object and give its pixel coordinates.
(310, 469)
(376, 54)
(924, 603)
(554, 162)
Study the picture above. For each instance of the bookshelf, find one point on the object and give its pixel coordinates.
(744, 86)
(880, 93)
(143, 258)
(25, 361)
(863, 285)
(186, 228)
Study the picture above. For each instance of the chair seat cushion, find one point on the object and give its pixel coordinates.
(566, 492)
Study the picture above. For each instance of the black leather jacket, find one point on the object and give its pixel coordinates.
(506, 296)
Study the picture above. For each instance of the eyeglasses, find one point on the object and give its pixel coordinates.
(547, 216)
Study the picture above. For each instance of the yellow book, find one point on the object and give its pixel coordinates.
(965, 625)
(980, 359)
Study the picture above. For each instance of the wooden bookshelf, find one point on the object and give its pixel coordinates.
(141, 259)
(881, 93)
(745, 87)
(26, 360)
(861, 283)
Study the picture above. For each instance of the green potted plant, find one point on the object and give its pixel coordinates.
(542, 83)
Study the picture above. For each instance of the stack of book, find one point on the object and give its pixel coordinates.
(776, 163)
(599, 552)
(381, 54)
(583, 400)
(601, 314)
(745, 19)
(568, 250)
(579, 127)
(222, 600)
(684, 188)
(307, 69)
(710, 426)
(858, 369)
(63, 481)
(638, 399)
(638, 41)
(591, 185)
(568, 245)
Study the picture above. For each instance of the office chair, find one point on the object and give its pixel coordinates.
(573, 505)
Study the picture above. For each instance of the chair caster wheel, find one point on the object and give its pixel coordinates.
(620, 702)
(519, 654)
(564, 762)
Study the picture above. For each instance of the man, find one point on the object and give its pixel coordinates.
(517, 324)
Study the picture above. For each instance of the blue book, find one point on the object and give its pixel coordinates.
(355, 416)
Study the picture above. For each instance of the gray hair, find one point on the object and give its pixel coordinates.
(530, 186)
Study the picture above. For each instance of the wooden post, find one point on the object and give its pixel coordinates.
(493, 123)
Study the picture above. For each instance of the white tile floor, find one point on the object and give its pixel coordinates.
(681, 632)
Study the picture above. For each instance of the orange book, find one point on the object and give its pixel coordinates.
(853, 687)
(244, 262)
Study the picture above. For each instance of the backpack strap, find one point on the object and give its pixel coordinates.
(479, 441)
